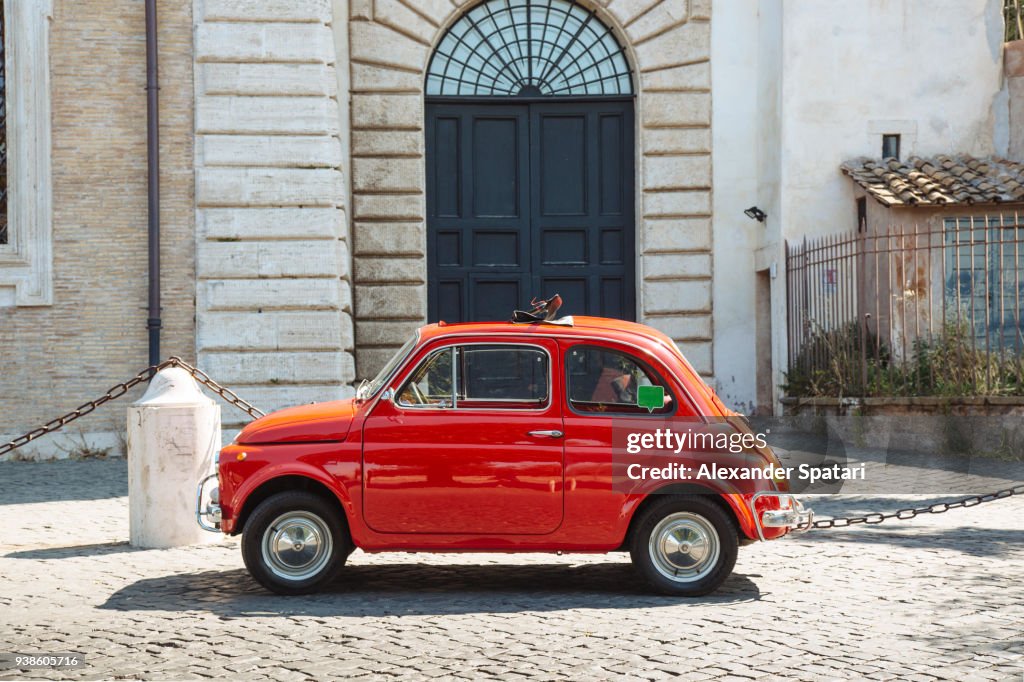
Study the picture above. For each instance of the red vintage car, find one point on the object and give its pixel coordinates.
(490, 437)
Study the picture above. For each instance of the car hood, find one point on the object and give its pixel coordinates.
(318, 422)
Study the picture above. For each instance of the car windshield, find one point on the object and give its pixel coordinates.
(370, 387)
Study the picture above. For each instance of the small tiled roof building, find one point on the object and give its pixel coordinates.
(939, 180)
(943, 233)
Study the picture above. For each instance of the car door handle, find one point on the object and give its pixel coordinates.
(546, 434)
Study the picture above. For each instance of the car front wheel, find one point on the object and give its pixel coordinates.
(295, 542)
(685, 545)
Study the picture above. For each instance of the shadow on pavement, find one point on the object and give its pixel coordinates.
(970, 540)
(66, 479)
(418, 590)
(98, 549)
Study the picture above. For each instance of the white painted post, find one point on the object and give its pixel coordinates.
(173, 439)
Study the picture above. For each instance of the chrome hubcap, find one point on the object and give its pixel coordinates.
(684, 547)
(297, 545)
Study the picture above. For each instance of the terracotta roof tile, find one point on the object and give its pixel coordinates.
(940, 180)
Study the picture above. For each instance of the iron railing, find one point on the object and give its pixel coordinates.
(908, 310)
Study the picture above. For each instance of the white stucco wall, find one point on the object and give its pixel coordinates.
(773, 173)
(735, 181)
(801, 86)
(930, 71)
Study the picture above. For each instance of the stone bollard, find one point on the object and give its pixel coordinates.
(173, 440)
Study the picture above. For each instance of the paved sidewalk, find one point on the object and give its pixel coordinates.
(937, 597)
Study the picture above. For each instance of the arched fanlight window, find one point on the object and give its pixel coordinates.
(528, 48)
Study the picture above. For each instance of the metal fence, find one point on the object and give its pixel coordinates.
(908, 310)
(1013, 15)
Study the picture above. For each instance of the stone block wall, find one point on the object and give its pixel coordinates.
(273, 297)
(669, 43)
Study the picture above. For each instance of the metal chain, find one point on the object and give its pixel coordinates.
(119, 390)
(911, 512)
(226, 394)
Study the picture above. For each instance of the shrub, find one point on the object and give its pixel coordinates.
(830, 364)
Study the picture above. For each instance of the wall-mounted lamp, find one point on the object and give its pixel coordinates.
(754, 213)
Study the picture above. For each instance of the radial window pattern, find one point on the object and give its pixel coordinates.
(528, 48)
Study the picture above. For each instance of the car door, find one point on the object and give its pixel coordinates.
(599, 392)
(469, 443)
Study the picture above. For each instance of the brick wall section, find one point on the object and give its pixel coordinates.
(391, 42)
(273, 293)
(56, 357)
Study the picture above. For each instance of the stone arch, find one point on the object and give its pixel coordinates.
(668, 44)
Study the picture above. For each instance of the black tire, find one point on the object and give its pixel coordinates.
(676, 533)
(317, 529)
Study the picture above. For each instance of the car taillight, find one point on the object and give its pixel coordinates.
(773, 503)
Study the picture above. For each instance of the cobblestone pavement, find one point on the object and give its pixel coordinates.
(937, 597)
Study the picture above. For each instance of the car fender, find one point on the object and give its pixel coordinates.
(272, 472)
(736, 502)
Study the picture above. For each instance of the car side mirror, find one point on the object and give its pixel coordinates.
(388, 395)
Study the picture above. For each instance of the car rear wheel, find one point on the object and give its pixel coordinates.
(295, 542)
(684, 545)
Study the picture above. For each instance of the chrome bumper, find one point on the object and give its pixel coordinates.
(797, 518)
(208, 518)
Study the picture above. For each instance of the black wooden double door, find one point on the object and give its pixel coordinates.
(526, 200)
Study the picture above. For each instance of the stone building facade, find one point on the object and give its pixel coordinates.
(273, 289)
(668, 43)
(299, 244)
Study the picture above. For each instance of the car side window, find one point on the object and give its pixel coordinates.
(431, 384)
(492, 376)
(604, 380)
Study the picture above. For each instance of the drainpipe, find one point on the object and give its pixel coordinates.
(153, 323)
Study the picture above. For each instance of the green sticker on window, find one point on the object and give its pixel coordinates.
(651, 397)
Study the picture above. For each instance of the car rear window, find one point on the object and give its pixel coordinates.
(602, 380)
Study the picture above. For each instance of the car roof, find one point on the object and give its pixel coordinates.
(581, 326)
